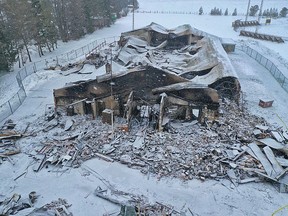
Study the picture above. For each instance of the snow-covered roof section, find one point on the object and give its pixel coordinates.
(223, 68)
(182, 30)
(179, 31)
(199, 58)
(157, 28)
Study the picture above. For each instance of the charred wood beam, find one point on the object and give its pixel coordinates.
(129, 107)
(161, 113)
(177, 101)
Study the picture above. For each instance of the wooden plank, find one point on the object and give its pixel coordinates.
(105, 197)
(280, 175)
(161, 113)
(271, 157)
(129, 107)
(248, 180)
(249, 151)
(104, 157)
(3, 136)
(282, 161)
(284, 179)
(277, 136)
(263, 159)
(177, 101)
(274, 144)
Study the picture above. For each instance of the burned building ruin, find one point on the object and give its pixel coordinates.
(170, 74)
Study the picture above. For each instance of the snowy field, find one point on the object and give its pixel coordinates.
(203, 198)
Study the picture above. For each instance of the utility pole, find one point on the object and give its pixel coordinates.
(260, 12)
(259, 16)
(133, 19)
(247, 10)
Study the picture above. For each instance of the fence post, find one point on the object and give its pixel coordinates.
(271, 67)
(10, 107)
(25, 71)
(266, 63)
(75, 53)
(34, 67)
(19, 97)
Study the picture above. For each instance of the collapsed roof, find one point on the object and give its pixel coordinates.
(190, 69)
(182, 51)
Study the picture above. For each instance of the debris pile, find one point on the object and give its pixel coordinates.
(14, 204)
(7, 141)
(226, 147)
(132, 205)
(58, 207)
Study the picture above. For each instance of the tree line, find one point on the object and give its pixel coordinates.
(40, 23)
(253, 10)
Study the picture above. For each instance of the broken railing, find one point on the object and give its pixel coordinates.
(260, 36)
(269, 65)
(18, 98)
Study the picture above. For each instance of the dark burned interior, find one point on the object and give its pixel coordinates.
(191, 74)
(140, 93)
(150, 92)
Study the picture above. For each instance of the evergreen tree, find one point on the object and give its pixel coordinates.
(234, 12)
(253, 10)
(88, 8)
(25, 23)
(7, 49)
(18, 15)
(274, 13)
(44, 31)
(201, 11)
(283, 12)
(59, 12)
(75, 19)
(226, 12)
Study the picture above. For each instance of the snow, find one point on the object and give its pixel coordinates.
(203, 198)
(257, 83)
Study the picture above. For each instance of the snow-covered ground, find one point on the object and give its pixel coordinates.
(203, 198)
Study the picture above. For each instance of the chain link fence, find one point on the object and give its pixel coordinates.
(269, 65)
(17, 99)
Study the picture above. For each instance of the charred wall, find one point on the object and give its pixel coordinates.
(141, 82)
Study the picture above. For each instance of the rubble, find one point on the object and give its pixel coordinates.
(132, 205)
(216, 149)
(8, 137)
(191, 70)
(59, 208)
(15, 204)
